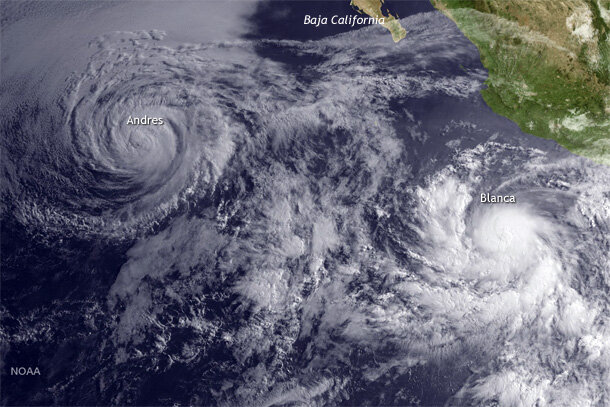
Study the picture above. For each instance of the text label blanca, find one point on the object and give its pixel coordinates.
(488, 198)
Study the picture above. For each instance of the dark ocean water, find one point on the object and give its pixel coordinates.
(283, 20)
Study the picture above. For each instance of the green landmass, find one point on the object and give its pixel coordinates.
(374, 8)
(548, 63)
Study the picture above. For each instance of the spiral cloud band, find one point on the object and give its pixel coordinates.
(117, 177)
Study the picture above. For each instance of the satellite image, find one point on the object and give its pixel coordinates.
(305, 203)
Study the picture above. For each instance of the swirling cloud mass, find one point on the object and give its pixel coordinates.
(304, 228)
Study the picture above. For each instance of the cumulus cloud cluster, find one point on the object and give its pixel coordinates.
(336, 263)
